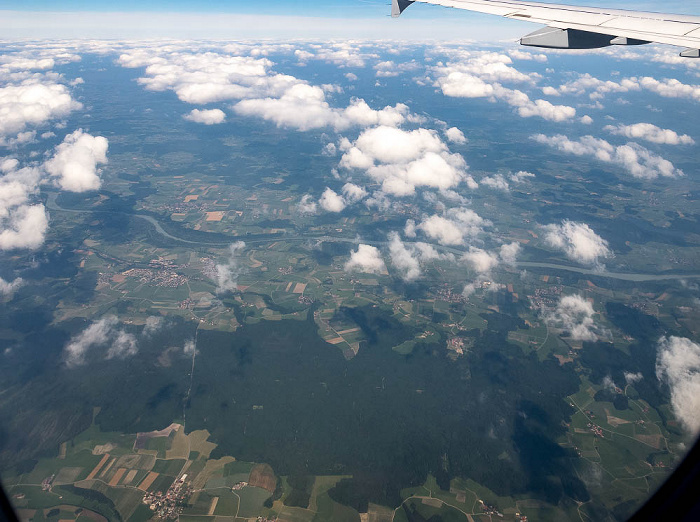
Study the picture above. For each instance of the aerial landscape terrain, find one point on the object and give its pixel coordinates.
(345, 280)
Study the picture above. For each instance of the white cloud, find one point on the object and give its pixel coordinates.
(586, 82)
(342, 54)
(351, 77)
(586, 119)
(190, 347)
(497, 182)
(578, 241)
(404, 160)
(481, 75)
(408, 257)
(678, 365)
(227, 273)
(519, 54)
(545, 110)
(608, 384)
(635, 159)
(631, 378)
(32, 103)
(124, 345)
(650, 132)
(521, 176)
(454, 135)
(8, 288)
(366, 259)
(74, 163)
(462, 85)
(390, 69)
(331, 202)
(353, 193)
(153, 325)
(509, 253)
(330, 149)
(669, 88)
(307, 205)
(453, 228)
(403, 259)
(304, 107)
(24, 227)
(574, 315)
(481, 260)
(104, 332)
(23, 224)
(207, 117)
(410, 229)
(285, 100)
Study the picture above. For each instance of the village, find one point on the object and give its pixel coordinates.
(168, 506)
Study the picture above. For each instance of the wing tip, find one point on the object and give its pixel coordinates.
(399, 6)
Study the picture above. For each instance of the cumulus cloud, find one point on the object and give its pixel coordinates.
(408, 257)
(330, 201)
(153, 325)
(32, 103)
(509, 253)
(521, 176)
(353, 193)
(497, 182)
(635, 159)
(124, 345)
(366, 259)
(74, 163)
(102, 333)
(24, 224)
(207, 117)
(598, 88)
(227, 273)
(678, 365)
(403, 259)
(390, 69)
(481, 260)
(454, 227)
(190, 347)
(24, 227)
(669, 88)
(481, 75)
(304, 107)
(307, 205)
(574, 315)
(454, 135)
(287, 101)
(404, 160)
(632, 378)
(342, 54)
(519, 54)
(409, 229)
(8, 288)
(578, 241)
(650, 132)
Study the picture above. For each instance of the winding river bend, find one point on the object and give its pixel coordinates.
(623, 276)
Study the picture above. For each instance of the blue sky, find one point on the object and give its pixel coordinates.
(232, 19)
(323, 8)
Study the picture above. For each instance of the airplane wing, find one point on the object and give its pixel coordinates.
(574, 27)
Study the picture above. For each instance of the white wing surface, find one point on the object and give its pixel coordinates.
(575, 27)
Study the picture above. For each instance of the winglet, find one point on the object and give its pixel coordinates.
(691, 53)
(399, 6)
